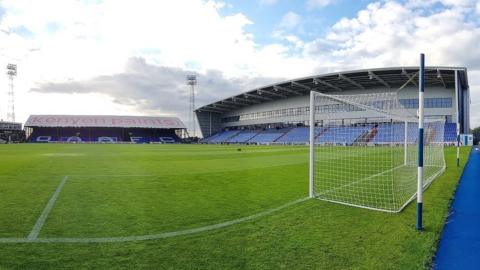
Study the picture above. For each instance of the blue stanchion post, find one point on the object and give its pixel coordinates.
(457, 112)
(421, 91)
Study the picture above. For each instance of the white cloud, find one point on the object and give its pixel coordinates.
(391, 34)
(448, 3)
(89, 40)
(319, 3)
(268, 2)
(290, 21)
(297, 42)
(143, 88)
(110, 32)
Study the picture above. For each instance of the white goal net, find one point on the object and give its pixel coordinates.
(365, 150)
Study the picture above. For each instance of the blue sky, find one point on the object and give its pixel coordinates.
(315, 21)
(131, 56)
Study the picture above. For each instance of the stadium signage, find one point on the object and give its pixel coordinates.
(103, 121)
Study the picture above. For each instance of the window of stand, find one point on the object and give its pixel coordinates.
(332, 108)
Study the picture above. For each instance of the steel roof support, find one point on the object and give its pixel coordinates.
(215, 107)
(318, 81)
(246, 100)
(301, 86)
(224, 106)
(274, 93)
(257, 96)
(440, 77)
(207, 109)
(409, 77)
(373, 75)
(343, 77)
(234, 103)
(286, 90)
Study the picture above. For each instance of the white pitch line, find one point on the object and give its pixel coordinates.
(111, 175)
(43, 217)
(150, 236)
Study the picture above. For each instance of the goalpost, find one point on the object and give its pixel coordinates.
(364, 150)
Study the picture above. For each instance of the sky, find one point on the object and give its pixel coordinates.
(126, 57)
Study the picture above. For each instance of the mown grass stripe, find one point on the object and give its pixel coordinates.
(43, 217)
(149, 236)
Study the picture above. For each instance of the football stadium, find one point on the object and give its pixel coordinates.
(279, 113)
(103, 129)
(319, 172)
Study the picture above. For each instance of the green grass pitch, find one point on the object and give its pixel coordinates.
(121, 191)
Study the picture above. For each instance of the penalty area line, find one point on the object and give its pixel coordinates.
(43, 217)
(152, 236)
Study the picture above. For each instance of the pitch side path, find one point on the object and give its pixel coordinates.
(460, 242)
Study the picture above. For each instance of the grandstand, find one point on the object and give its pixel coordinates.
(385, 133)
(103, 129)
(11, 132)
(268, 135)
(279, 113)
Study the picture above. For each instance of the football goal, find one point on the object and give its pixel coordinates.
(364, 150)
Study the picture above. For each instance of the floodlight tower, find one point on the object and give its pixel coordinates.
(192, 81)
(12, 73)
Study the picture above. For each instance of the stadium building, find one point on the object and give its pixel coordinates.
(103, 129)
(279, 113)
(11, 132)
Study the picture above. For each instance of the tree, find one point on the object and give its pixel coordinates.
(476, 135)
